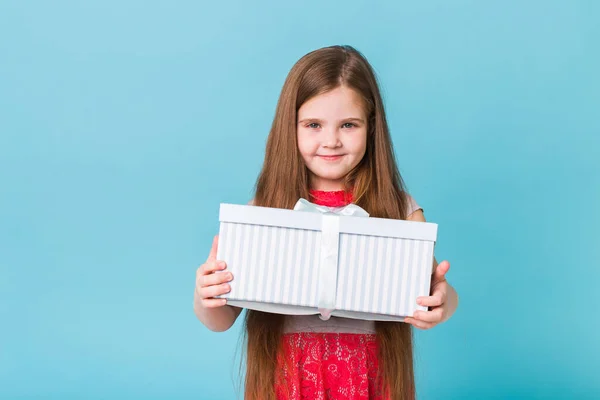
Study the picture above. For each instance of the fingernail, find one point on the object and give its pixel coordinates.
(221, 264)
(229, 276)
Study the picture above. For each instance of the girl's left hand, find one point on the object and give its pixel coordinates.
(437, 301)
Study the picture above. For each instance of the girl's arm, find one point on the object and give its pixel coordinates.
(217, 319)
(451, 303)
(451, 300)
(212, 311)
(215, 316)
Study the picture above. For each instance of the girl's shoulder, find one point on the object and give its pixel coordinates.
(412, 205)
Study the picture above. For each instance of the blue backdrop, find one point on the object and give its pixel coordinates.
(124, 124)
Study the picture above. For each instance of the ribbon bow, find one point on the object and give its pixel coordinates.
(330, 234)
(351, 210)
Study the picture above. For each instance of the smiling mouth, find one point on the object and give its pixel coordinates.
(331, 158)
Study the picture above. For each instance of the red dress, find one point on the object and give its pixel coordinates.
(329, 365)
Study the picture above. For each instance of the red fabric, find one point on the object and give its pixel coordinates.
(336, 198)
(324, 366)
(320, 366)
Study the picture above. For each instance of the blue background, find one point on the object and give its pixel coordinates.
(123, 125)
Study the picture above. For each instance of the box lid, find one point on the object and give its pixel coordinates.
(269, 216)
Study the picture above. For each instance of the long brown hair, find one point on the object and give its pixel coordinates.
(377, 187)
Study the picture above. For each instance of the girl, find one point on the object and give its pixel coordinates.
(329, 143)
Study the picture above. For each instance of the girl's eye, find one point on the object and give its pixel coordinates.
(348, 125)
(313, 125)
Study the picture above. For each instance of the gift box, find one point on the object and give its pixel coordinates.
(327, 261)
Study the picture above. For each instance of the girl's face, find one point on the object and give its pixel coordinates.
(332, 136)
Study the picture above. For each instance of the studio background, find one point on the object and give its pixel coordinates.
(124, 124)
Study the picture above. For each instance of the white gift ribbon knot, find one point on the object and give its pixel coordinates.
(330, 235)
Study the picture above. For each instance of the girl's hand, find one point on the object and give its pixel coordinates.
(210, 284)
(437, 301)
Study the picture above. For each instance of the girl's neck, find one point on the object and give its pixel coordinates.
(325, 185)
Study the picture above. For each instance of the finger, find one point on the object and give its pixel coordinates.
(440, 272)
(213, 303)
(429, 316)
(419, 324)
(215, 279)
(212, 256)
(211, 266)
(443, 293)
(212, 291)
(207, 270)
(435, 300)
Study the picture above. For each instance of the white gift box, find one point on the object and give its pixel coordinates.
(328, 261)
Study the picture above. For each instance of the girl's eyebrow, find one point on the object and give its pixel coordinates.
(304, 120)
(354, 119)
(310, 120)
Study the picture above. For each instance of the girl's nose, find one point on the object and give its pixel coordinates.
(331, 138)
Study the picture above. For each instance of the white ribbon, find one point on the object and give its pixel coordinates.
(330, 236)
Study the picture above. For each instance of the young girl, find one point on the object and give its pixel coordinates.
(329, 143)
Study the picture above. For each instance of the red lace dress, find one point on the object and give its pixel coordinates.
(325, 360)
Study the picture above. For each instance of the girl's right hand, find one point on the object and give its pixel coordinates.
(209, 283)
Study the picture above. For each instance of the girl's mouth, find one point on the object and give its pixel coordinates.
(331, 158)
